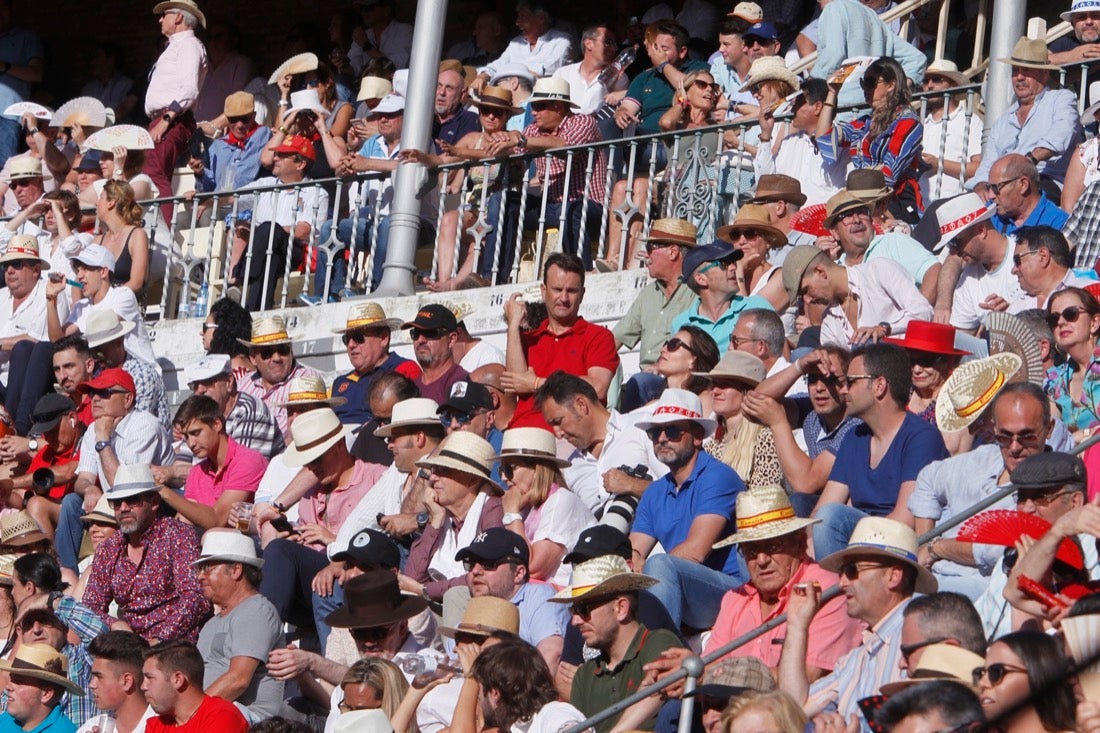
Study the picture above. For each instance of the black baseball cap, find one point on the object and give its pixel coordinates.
(496, 544)
(49, 410)
(597, 541)
(370, 547)
(433, 315)
(467, 397)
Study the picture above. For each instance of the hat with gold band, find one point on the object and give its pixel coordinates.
(267, 331)
(367, 315)
(603, 576)
(762, 513)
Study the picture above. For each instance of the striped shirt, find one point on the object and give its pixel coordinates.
(276, 395)
(250, 423)
(897, 149)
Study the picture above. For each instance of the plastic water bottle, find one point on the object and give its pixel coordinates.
(203, 301)
(612, 71)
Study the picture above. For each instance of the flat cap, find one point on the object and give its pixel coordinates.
(1048, 470)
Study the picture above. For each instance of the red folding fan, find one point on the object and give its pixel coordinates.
(1005, 526)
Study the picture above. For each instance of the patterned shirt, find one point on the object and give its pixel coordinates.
(160, 597)
(150, 395)
(250, 423)
(574, 130)
(1076, 415)
(86, 624)
(897, 149)
(276, 395)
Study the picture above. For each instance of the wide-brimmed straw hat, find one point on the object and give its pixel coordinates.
(552, 89)
(939, 663)
(42, 662)
(465, 452)
(367, 315)
(673, 231)
(228, 545)
(934, 338)
(104, 326)
(868, 184)
(413, 412)
(485, 615)
(267, 331)
(770, 68)
(189, 5)
(309, 389)
(778, 187)
(373, 87)
(299, 64)
(19, 528)
(959, 213)
(1030, 53)
(739, 365)
(762, 513)
(678, 405)
(374, 599)
(841, 202)
(24, 247)
(884, 538)
(752, 216)
(530, 444)
(948, 70)
(23, 167)
(971, 388)
(101, 513)
(600, 577)
(497, 98)
(312, 434)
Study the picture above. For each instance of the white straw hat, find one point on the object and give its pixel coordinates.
(971, 388)
(603, 576)
(410, 413)
(762, 513)
(678, 405)
(228, 545)
(313, 433)
(888, 539)
(959, 213)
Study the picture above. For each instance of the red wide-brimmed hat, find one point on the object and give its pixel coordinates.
(935, 338)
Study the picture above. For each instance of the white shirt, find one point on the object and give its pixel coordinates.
(976, 284)
(443, 560)
(481, 354)
(552, 717)
(1026, 302)
(99, 720)
(275, 480)
(799, 158)
(384, 496)
(289, 206)
(28, 319)
(884, 293)
(962, 144)
(121, 301)
(588, 94)
(561, 519)
(552, 50)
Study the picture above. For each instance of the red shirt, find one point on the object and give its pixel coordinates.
(84, 411)
(47, 457)
(215, 714)
(582, 346)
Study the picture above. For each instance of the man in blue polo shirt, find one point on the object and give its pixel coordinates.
(687, 511)
(877, 464)
(1014, 186)
(711, 273)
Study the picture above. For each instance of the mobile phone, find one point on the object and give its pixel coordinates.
(282, 524)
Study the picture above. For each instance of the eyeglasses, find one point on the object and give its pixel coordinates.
(736, 341)
(652, 247)
(774, 546)
(1018, 260)
(1040, 499)
(675, 344)
(373, 633)
(995, 671)
(925, 359)
(128, 500)
(829, 380)
(723, 263)
(19, 265)
(313, 83)
(508, 470)
(671, 432)
(492, 112)
(464, 637)
(22, 183)
(462, 418)
(240, 118)
(584, 610)
(431, 334)
(847, 216)
(540, 106)
(106, 393)
(747, 234)
(856, 377)
(851, 570)
(869, 83)
(267, 352)
(344, 707)
(705, 85)
(489, 565)
(995, 188)
(751, 41)
(907, 650)
(1027, 439)
(387, 115)
(358, 336)
(208, 327)
(1070, 315)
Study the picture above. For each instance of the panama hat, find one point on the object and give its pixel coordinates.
(948, 70)
(778, 187)
(496, 98)
(677, 405)
(189, 5)
(83, 111)
(673, 231)
(373, 87)
(101, 513)
(842, 202)
(507, 71)
(19, 528)
(374, 599)
(267, 331)
(416, 411)
(762, 513)
(934, 338)
(23, 167)
(971, 388)
(1031, 53)
(228, 545)
(600, 577)
(552, 89)
(959, 213)
(483, 616)
(868, 184)
(462, 451)
(769, 68)
(1080, 6)
(304, 100)
(752, 216)
(310, 389)
(42, 662)
(367, 315)
(132, 480)
(888, 539)
(299, 64)
(312, 434)
(104, 326)
(530, 444)
(24, 247)
(738, 365)
(939, 662)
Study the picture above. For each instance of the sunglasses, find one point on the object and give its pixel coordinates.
(129, 501)
(671, 432)
(489, 565)
(492, 112)
(776, 546)
(358, 336)
(675, 344)
(1019, 259)
(508, 470)
(19, 265)
(267, 352)
(239, 118)
(652, 247)
(748, 234)
(462, 418)
(925, 359)
(705, 85)
(867, 84)
(724, 263)
(1026, 439)
(374, 633)
(106, 393)
(387, 115)
(995, 188)
(1040, 499)
(851, 570)
(751, 41)
(584, 610)
(829, 380)
(907, 650)
(431, 334)
(996, 672)
(1070, 315)
(540, 106)
(208, 327)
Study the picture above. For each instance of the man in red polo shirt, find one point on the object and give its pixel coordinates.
(564, 341)
(56, 445)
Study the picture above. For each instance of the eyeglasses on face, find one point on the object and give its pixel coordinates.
(829, 380)
(907, 650)
(19, 265)
(856, 377)
(1018, 259)
(1070, 315)
(736, 341)
(1039, 498)
(774, 546)
(723, 263)
(492, 112)
(208, 327)
(371, 634)
(268, 352)
(703, 85)
(671, 432)
(1028, 438)
(851, 570)
(431, 334)
(360, 336)
(584, 610)
(926, 358)
(995, 188)
(462, 418)
(675, 344)
(489, 565)
(847, 216)
(106, 392)
(240, 118)
(996, 672)
(508, 468)
(751, 41)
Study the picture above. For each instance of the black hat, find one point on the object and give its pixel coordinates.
(89, 162)
(1048, 470)
(468, 397)
(496, 544)
(597, 541)
(49, 410)
(716, 250)
(374, 599)
(370, 547)
(433, 315)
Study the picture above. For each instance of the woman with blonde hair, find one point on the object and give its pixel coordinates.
(537, 505)
(756, 711)
(123, 235)
(373, 683)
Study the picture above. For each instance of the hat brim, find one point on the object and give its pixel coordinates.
(391, 323)
(765, 531)
(613, 586)
(714, 689)
(406, 608)
(669, 239)
(256, 562)
(926, 347)
(706, 423)
(475, 629)
(94, 516)
(1089, 115)
(948, 420)
(470, 469)
(290, 113)
(775, 237)
(125, 327)
(41, 674)
(1030, 64)
(868, 196)
(421, 422)
(161, 7)
(830, 219)
(302, 63)
(535, 457)
(293, 456)
(13, 257)
(926, 582)
(893, 688)
(494, 104)
(41, 427)
(254, 345)
(957, 79)
(26, 538)
(330, 401)
(132, 490)
(988, 214)
(798, 199)
(536, 97)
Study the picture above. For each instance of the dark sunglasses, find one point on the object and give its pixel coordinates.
(208, 327)
(1005, 440)
(508, 470)
(851, 570)
(128, 500)
(106, 392)
(239, 118)
(925, 359)
(675, 344)
(1070, 315)
(266, 352)
(907, 650)
(539, 106)
(357, 336)
(996, 672)
(705, 85)
(748, 233)
(584, 610)
(672, 432)
(493, 112)
(462, 418)
(19, 265)
(751, 41)
(387, 115)
(373, 633)
(869, 83)
(431, 334)
(829, 380)
(489, 565)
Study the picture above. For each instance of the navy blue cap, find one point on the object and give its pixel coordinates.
(763, 29)
(496, 544)
(89, 162)
(716, 250)
(371, 547)
(597, 541)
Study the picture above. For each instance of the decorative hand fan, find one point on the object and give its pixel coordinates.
(810, 220)
(1008, 333)
(84, 111)
(130, 137)
(21, 108)
(1004, 526)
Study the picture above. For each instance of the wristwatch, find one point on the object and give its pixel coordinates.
(421, 520)
(101, 444)
(512, 517)
(32, 445)
(886, 327)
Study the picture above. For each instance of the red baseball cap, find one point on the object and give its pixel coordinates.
(298, 144)
(114, 377)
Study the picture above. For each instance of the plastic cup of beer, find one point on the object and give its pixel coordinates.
(244, 515)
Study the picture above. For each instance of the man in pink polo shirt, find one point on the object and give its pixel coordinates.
(227, 471)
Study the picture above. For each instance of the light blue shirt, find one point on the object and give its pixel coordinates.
(1053, 123)
(721, 329)
(902, 249)
(727, 78)
(228, 167)
(538, 618)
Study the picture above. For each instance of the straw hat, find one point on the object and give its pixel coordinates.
(552, 89)
(884, 538)
(971, 388)
(132, 480)
(310, 389)
(959, 213)
(1031, 53)
(673, 231)
(484, 615)
(267, 331)
(868, 184)
(747, 11)
(189, 5)
(497, 98)
(417, 411)
(7, 569)
(42, 662)
(601, 577)
(102, 513)
(752, 216)
(24, 247)
(934, 338)
(239, 104)
(762, 513)
(939, 662)
(948, 70)
(1080, 6)
(770, 68)
(778, 187)
(677, 405)
(299, 64)
(19, 528)
(530, 444)
(841, 202)
(462, 451)
(373, 87)
(374, 599)
(738, 365)
(228, 545)
(104, 326)
(23, 167)
(367, 315)
(314, 433)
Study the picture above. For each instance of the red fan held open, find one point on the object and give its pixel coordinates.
(1005, 526)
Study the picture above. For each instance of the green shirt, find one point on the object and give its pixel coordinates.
(653, 93)
(597, 686)
(650, 317)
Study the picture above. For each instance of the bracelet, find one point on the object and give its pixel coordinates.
(283, 130)
(279, 507)
(932, 550)
(1031, 157)
(661, 67)
(797, 367)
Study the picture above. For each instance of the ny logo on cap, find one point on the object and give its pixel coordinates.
(481, 537)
